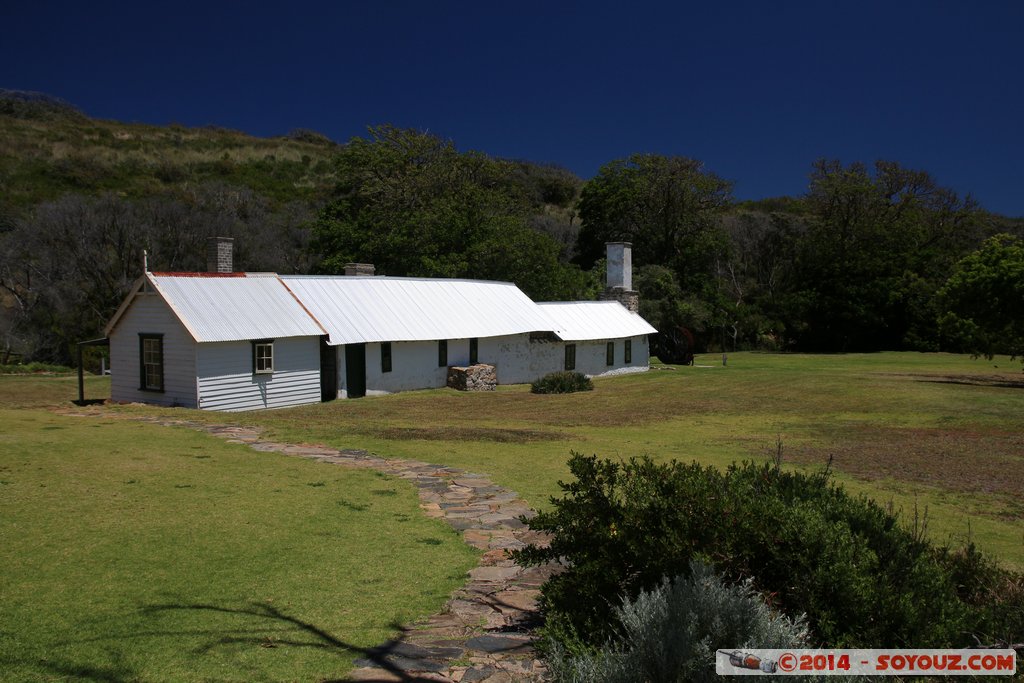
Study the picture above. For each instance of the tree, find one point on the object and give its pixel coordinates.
(757, 276)
(877, 248)
(412, 204)
(666, 206)
(983, 301)
(65, 268)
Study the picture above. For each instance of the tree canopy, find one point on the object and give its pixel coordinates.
(665, 206)
(410, 203)
(877, 248)
(983, 301)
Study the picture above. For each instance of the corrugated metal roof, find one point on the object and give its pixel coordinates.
(586, 320)
(217, 309)
(371, 309)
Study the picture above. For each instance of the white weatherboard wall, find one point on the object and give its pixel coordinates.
(150, 314)
(226, 380)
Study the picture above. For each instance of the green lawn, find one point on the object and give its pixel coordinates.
(136, 552)
(938, 431)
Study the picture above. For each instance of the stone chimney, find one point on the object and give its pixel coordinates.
(620, 276)
(359, 269)
(219, 254)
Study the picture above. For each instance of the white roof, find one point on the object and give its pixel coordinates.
(356, 309)
(232, 308)
(587, 320)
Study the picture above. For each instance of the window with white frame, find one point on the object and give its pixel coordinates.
(151, 362)
(263, 357)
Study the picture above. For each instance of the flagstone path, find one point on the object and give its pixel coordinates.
(484, 632)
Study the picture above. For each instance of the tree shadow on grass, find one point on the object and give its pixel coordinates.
(272, 628)
(117, 672)
(307, 635)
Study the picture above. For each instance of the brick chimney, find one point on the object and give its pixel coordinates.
(219, 251)
(620, 276)
(359, 269)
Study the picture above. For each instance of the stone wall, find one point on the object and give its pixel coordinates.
(628, 298)
(480, 377)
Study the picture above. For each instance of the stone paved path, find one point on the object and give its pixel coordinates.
(483, 634)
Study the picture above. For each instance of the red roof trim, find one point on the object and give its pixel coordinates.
(198, 274)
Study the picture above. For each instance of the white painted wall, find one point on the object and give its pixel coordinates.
(226, 381)
(413, 366)
(149, 313)
(516, 360)
(591, 357)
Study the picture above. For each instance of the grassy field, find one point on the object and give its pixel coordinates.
(129, 552)
(135, 552)
(933, 431)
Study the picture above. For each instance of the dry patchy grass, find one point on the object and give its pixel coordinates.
(958, 460)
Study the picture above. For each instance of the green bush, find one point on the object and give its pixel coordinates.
(672, 632)
(859, 576)
(563, 382)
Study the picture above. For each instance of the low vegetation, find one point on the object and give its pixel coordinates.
(35, 369)
(859, 576)
(562, 382)
(671, 632)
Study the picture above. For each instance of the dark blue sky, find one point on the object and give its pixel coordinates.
(756, 90)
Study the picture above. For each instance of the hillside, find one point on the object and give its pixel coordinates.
(80, 198)
(852, 265)
(48, 148)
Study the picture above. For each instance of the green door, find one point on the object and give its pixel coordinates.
(328, 371)
(355, 370)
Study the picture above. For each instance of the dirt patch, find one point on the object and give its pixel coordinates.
(962, 461)
(463, 434)
(1001, 381)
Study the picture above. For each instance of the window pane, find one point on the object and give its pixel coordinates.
(385, 357)
(264, 357)
(570, 356)
(442, 353)
(629, 351)
(610, 354)
(152, 362)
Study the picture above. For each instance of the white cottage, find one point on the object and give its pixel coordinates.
(241, 341)
(220, 341)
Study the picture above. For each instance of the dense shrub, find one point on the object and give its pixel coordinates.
(563, 382)
(859, 576)
(671, 633)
